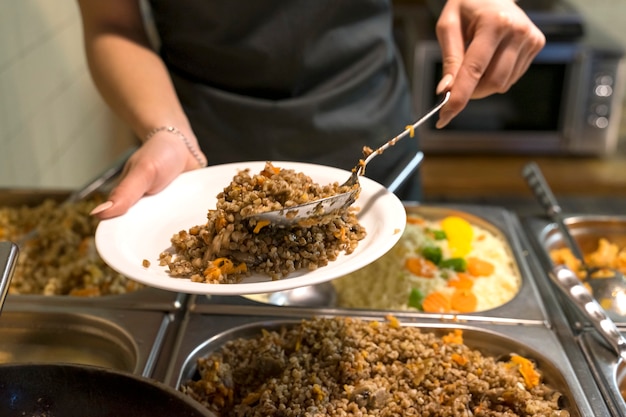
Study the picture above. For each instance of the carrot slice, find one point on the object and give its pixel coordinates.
(220, 223)
(461, 281)
(223, 266)
(459, 359)
(393, 321)
(436, 302)
(260, 225)
(463, 301)
(414, 220)
(479, 268)
(455, 336)
(270, 170)
(421, 267)
(528, 371)
(86, 292)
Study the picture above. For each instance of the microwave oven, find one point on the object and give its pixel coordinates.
(568, 102)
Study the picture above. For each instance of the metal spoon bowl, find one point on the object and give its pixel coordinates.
(609, 287)
(569, 283)
(317, 296)
(326, 206)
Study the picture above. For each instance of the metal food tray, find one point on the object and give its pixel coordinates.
(586, 229)
(202, 333)
(143, 299)
(526, 307)
(608, 368)
(124, 340)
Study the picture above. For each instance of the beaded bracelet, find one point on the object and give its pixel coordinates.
(171, 129)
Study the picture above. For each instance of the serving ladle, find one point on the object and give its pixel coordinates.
(8, 259)
(303, 212)
(586, 304)
(610, 285)
(86, 190)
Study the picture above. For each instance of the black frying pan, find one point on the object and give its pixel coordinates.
(62, 390)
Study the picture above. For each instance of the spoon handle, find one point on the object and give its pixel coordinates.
(410, 130)
(569, 283)
(8, 260)
(86, 190)
(543, 193)
(105, 176)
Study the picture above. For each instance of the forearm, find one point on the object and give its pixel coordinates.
(130, 76)
(135, 84)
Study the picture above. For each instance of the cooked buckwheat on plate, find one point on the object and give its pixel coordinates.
(191, 238)
(229, 246)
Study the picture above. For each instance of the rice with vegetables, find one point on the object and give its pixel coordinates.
(231, 245)
(61, 257)
(443, 266)
(344, 366)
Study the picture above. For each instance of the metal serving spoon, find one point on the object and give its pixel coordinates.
(8, 260)
(293, 215)
(611, 287)
(86, 190)
(324, 294)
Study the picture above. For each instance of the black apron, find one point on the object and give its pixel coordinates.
(289, 80)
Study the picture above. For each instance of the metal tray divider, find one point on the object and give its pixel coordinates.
(148, 299)
(603, 371)
(308, 312)
(172, 341)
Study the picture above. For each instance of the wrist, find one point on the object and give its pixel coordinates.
(192, 146)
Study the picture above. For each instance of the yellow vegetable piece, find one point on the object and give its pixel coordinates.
(459, 234)
(606, 303)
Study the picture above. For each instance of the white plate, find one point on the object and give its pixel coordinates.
(146, 229)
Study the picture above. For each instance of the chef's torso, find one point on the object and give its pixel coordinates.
(296, 80)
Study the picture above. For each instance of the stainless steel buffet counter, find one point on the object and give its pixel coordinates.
(160, 334)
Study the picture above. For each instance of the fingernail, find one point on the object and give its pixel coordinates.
(101, 207)
(442, 122)
(444, 83)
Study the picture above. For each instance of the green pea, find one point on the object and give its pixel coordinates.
(416, 297)
(457, 264)
(433, 254)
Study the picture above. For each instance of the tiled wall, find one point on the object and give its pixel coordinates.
(55, 131)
